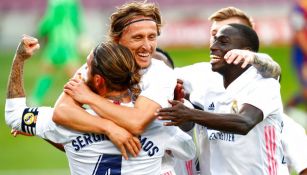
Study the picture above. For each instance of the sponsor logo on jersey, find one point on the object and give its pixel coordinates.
(28, 123)
(218, 135)
(211, 107)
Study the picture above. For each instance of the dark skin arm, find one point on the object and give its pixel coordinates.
(240, 123)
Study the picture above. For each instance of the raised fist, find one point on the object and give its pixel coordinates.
(27, 46)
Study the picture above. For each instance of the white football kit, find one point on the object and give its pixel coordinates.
(258, 152)
(158, 83)
(195, 78)
(90, 153)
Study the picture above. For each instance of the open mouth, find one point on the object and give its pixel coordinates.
(143, 56)
(214, 59)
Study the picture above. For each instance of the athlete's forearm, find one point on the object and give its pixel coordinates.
(224, 122)
(134, 119)
(26, 48)
(15, 87)
(69, 114)
(266, 66)
(239, 123)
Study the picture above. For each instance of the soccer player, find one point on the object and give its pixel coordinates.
(135, 25)
(242, 112)
(111, 72)
(266, 66)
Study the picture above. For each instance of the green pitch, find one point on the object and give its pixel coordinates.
(30, 155)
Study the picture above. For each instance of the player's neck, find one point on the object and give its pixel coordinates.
(119, 96)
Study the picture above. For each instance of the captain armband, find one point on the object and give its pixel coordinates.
(29, 118)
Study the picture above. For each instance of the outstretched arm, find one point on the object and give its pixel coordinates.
(266, 66)
(240, 123)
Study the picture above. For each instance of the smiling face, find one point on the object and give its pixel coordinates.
(141, 39)
(226, 39)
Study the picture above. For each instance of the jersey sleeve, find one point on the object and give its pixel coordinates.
(13, 112)
(269, 91)
(185, 74)
(32, 120)
(196, 77)
(180, 143)
(190, 75)
(158, 83)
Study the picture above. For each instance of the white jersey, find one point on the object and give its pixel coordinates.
(258, 152)
(197, 76)
(90, 153)
(157, 83)
(295, 144)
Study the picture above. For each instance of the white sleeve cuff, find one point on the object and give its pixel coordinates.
(13, 103)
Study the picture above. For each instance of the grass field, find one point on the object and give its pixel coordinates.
(30, 155)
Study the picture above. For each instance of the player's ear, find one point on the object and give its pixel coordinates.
(247, 48)
(99, 81)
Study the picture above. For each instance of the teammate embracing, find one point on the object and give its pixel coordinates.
(111, 72)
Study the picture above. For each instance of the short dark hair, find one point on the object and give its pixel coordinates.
(250, 36)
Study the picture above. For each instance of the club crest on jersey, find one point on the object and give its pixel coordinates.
(211, 107)
(234, 107)
(29, 117)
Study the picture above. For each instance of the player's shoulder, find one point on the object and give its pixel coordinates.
(267, 82)
(198, 66)
(258, 80)
(159, 68)
(159, 65)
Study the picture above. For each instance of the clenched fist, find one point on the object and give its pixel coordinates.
(27, 46)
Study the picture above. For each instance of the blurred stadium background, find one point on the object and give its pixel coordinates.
(185, 36)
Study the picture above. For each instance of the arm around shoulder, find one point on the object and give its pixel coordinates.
(266, 66)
